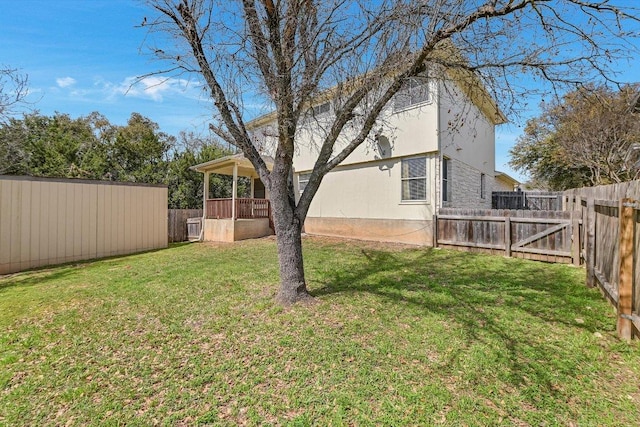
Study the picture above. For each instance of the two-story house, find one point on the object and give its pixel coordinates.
(434, 147)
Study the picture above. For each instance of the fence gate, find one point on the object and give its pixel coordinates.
(542, 235)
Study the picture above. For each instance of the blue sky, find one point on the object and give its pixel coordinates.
(83, 56)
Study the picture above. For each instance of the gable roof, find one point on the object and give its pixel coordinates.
(468, 81)
(507, 178)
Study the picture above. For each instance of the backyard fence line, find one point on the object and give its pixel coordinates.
(551, 236)
(177, 223)
(611, 237)
(528, 200)
(599, 227)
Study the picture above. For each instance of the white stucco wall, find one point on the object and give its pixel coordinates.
(413, 130)
(369, 187)
(466, 134)
(372, 190)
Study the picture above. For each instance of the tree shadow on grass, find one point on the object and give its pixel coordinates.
(541, 290)
(491, 299)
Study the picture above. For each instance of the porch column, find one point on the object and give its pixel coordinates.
(234, 191)
(205, 195)
(253, 180)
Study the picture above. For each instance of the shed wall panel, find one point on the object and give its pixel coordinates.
(53, 221)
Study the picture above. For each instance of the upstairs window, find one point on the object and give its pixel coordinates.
(413, 92)
(414, 179)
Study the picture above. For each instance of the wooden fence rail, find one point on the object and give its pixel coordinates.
(542, 235)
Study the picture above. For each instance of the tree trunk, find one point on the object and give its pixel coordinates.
(293, 287)
(288, 228)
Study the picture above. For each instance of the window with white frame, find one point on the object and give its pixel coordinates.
(483, 186)
(446, 179)
(303, 180)
(414, 179)
(413, 92)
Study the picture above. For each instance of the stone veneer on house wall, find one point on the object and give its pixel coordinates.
(465, 187)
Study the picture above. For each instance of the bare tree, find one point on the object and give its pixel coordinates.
(287, 53)
(13, 91)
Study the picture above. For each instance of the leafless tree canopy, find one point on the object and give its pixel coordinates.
(286, 54)
(13, 90)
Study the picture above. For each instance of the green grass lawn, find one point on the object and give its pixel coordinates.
(398, 336)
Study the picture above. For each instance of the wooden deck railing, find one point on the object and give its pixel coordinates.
(245, 208)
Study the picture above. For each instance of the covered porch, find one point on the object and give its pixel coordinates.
(235, 218)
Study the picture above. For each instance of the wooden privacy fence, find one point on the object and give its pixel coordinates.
(178, 224)
(529, 200)
(611, 241)
(598, 227)
(552, 236)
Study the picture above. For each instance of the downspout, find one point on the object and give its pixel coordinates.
(438, 195)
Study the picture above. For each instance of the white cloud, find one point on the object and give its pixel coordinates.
(65, 81)
(152, 87)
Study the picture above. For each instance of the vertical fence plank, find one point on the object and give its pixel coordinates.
(575, 237)
(178, 231)
(507, 236)
(625, 285)
(591, 235)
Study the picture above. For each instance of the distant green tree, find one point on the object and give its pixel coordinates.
(591, 137)
(55, 146)
(93, 148)
(139, 151)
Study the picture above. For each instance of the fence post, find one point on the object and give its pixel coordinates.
(591, 247)
(507, 236)
(625, 283)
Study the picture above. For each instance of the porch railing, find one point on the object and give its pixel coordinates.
(244, 209)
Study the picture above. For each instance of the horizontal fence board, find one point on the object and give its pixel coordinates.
(470, 244)
(541, 251)
(540, 235)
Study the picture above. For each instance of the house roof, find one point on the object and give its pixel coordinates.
(506, 178)
(224, 165)
(468, 82)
